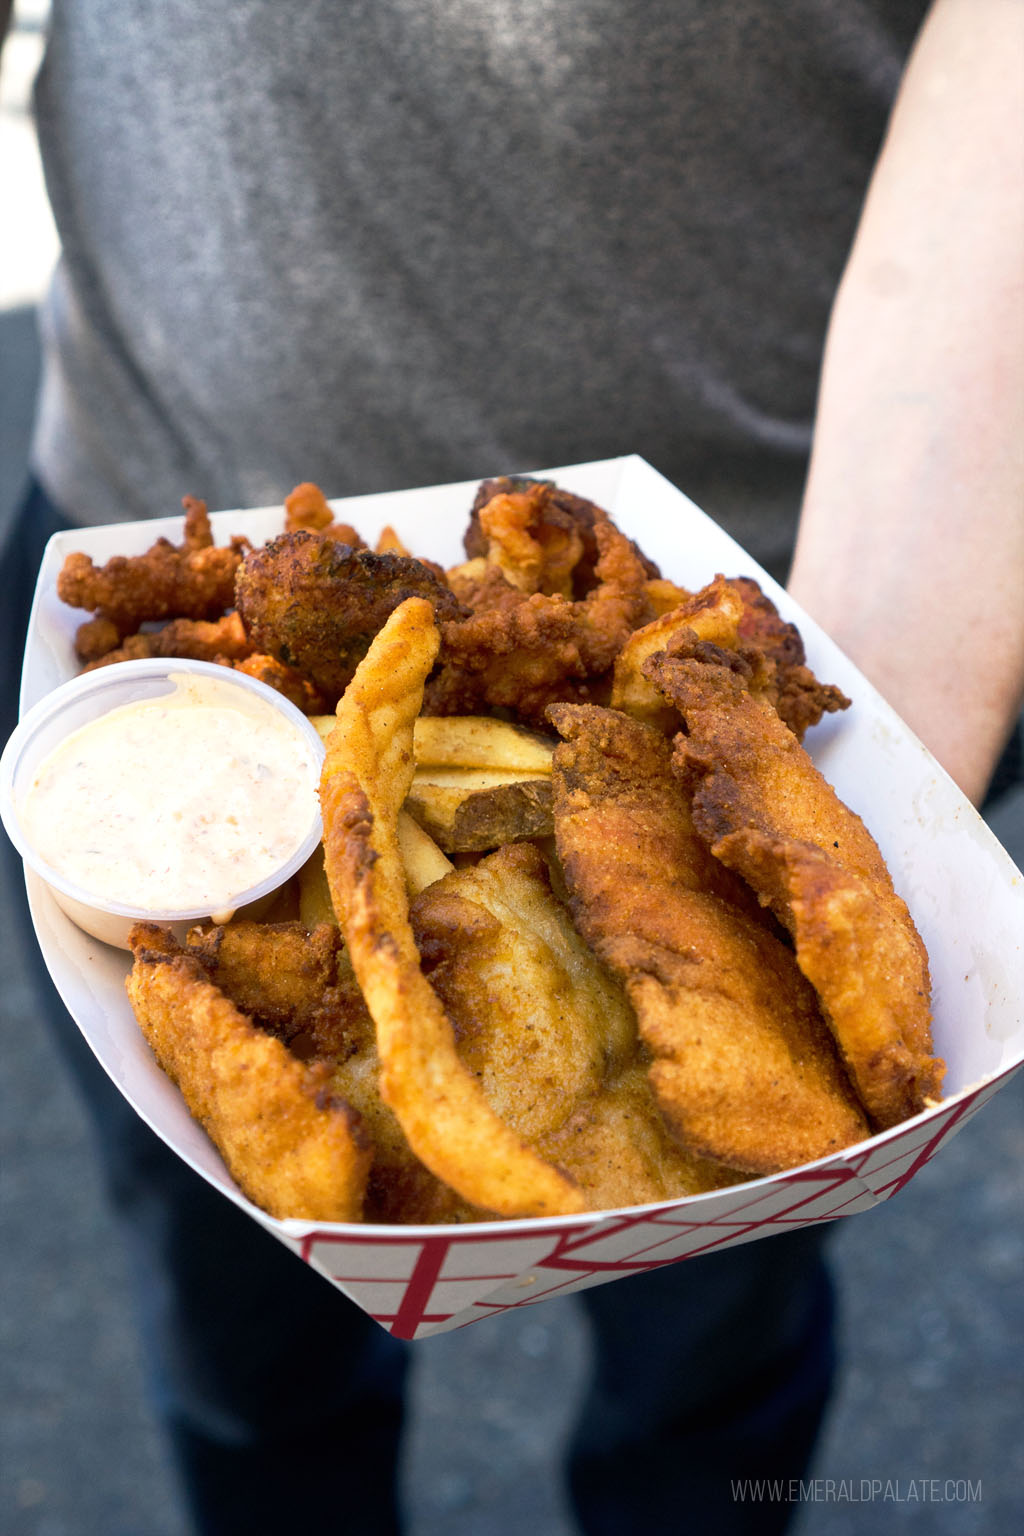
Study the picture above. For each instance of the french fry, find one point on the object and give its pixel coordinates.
(424, 862)
(315, 905)
(470, 741)
(478, 741)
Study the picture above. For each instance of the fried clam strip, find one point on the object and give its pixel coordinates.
(544, 648)
(223, 640)
(557, 514)
(550, 1035)
(307, 507)
(438, 1101)
(193, 580)
(292, 1145)
(744, 1069)
(534, 552)
(735, 615)
(767, 812)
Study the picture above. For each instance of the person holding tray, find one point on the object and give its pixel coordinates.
(385, 245)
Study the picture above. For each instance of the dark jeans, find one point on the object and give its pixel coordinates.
(284, 1402)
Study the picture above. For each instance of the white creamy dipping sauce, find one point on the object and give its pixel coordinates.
(178, 803)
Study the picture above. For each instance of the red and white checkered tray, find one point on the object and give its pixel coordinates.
(966, 895)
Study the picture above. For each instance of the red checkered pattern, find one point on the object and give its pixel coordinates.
(416, 1283)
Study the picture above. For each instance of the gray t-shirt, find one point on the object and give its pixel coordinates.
(380, 243)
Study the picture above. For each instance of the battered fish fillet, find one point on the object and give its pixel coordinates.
(287, 980)
(544, 648)
(193, 580)
(744, 1069)
(292, 1145)
(736, 616)
(548, 1033)
(300, 986)
(768, 813)
(315, 604)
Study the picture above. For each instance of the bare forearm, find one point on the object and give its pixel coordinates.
(911, 548)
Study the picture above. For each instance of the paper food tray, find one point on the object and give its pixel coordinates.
(966, 896)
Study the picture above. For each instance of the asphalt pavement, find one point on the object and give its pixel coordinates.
(923, 1435)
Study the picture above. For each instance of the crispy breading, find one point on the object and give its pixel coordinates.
(286, 979)
(712, 614)
(618, 1147)
(315, 604)
(300, 986)
(744, 1068)
(479, 586)
(534, 552)
(293, 1146)
(366, 776)
(307, 507)
(734, 615)
(766, 811)
(544, 648)
(193, 580)
(557, 509)
(298, 690)
(551, 1037)
(223, 640)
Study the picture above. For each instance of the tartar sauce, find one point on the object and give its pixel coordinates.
(176, 803)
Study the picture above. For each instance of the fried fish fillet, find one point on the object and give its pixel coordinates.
(287, 980)
(744, 1069)
(366, 776)
(734, 615)
(299, 985)
(551, 1037)
(767, 812)
(293, 1146)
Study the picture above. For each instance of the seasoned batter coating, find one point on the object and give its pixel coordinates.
(315, 604)
(767, 812)
(743, 1067)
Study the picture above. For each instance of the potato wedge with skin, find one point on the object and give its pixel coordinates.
(367, 772)
(467, 811)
